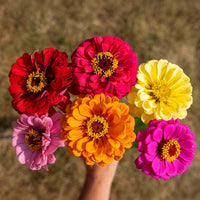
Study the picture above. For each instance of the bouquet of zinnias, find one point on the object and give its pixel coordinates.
(96, 126)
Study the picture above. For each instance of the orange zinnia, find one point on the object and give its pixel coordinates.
(97, 129)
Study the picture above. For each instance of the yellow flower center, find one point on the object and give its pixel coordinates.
(33, 140)
(169, 150)
(36, 82)
(104, 64)
(161, 91)
(97, 127)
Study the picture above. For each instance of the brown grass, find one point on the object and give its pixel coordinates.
(155, 29)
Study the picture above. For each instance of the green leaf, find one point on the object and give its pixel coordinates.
(139, 126)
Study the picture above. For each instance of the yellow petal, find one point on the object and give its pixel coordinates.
(85, 110)
(162, 69)
(76, 153)
(106, 160)
(75, 134)
(100, 97)
(73, 122)
(146, 118)
(90, 147)
(77, 115)
(114, 143)
(80, 143)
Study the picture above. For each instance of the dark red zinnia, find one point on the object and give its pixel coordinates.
(40, 81)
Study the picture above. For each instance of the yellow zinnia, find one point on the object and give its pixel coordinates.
(97, 129)
(162, 91)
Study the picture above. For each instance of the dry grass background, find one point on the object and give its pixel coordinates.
(154, 29)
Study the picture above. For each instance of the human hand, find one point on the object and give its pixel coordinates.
(98, 181)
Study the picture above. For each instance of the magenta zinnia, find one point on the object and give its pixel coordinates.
(36, 139)
(40, 81)
(167, 149)
(104, 65)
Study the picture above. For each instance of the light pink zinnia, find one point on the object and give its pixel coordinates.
(167, 149)
(35, 139)
(104, 65)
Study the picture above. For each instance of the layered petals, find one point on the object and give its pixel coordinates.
(162, 91)
(35, 140)
(40, 81)
(104, 65)
(95, 131)
(164, 151)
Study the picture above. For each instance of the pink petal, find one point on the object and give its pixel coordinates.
(81, 79)
(140, 146)
(95, 78)
(21, 158)
(152, 148)
(107, 42)
(47, 122)
(149, 157)
(184, 137)
(157, 134)
(157, 164)
(51, 149)
(148, 139)
(18, 140)
(37, 161)
(23, 119)
(44, 159)
(31, 159)
(35, 122)
(188, 145)
(25, 156)
(88, 68)
(186, 155)
(161, 124)
(162, 169)
(139, 162)
(180, 166)
(21, 147)
(51, 159)
(140, 136)
(168, 131)
(146, 168)
(165, 177)
(56, 117)
(171, 168)
(55, 131)
(58, 142)
(19, 126)
(18, 132)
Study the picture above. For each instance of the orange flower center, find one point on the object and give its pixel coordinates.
(33, 140)
(97, 127)
(160, 91)
(36, 82)
(104, 64)
(169, 149)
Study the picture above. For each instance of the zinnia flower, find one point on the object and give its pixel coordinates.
(39, 82)
(104, 65)
(162, 91)
(35, 139)
(97, 129)
(167, 149)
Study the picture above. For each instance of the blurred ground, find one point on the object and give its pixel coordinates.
(154, 29)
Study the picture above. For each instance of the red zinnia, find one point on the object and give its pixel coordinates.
(40, 81)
